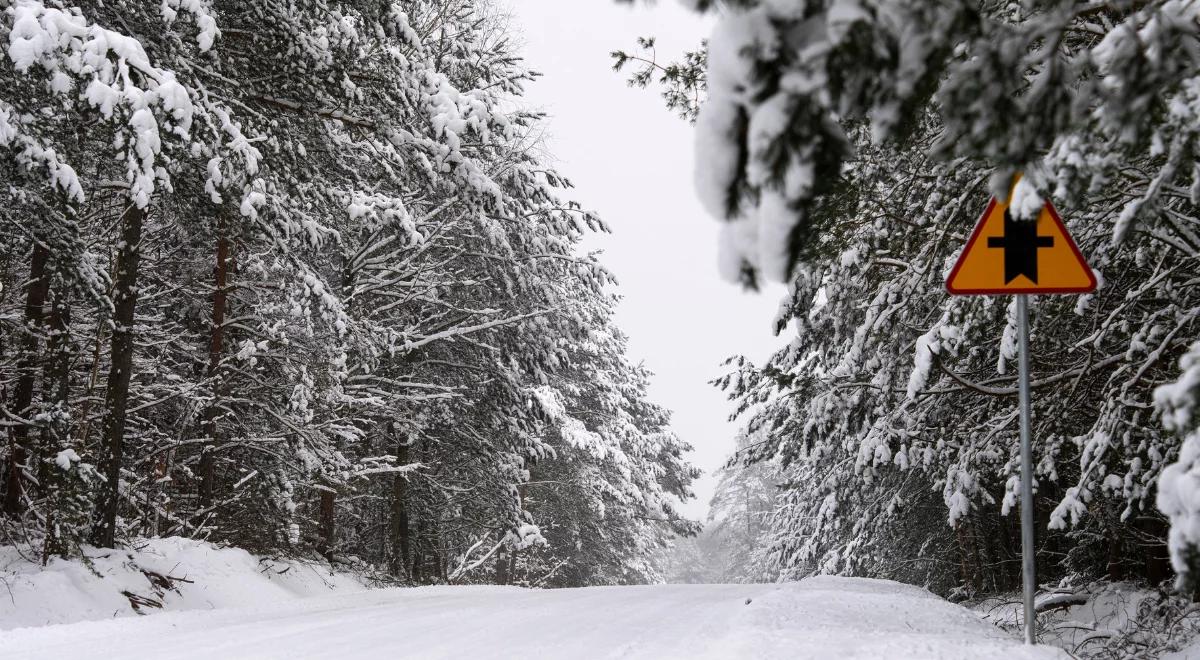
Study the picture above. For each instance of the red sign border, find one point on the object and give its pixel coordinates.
(1090, 287)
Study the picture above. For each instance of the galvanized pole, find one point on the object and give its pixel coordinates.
(1027, 550)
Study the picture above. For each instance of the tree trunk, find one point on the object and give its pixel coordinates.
(502, 566)
(116, 396)
(1010, 567)
(514, 552)
(56, 436)
(978, 552)
(328, 529)
(512, 566)
(965, 571)
(506, 559)
(418, 540)
(35, 300)
(1114, 553)
(401, 549)
(1157, 566)
(216, 344)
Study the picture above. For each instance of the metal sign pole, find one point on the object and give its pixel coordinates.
(1027, 550)
(1003, 257)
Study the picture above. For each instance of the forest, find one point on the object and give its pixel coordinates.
(296, 277)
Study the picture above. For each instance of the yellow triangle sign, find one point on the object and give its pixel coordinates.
(1005, 255)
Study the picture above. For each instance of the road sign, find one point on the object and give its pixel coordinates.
(1009, 256)
(1006, 255)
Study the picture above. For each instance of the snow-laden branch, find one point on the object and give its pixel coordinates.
(458, 332)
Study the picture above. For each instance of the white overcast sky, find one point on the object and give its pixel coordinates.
(631, 162)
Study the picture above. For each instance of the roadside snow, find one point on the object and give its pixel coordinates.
(1072, 619)
(1106, 619)
(69, 591)
(817, 618)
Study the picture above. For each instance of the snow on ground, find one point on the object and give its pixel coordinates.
(1104, 618)
(209, 577)
(817, 618)
(1192, 652)
(1074, 619)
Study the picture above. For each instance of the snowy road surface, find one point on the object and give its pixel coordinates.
(817, 618)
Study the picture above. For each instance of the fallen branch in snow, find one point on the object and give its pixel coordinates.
(138, 602)
(161, 584)
(1093, 636)
(163, 581)
(1059, 601)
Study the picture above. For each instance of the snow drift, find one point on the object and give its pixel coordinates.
(167, 573)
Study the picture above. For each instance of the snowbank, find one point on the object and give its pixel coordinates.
(169, 574)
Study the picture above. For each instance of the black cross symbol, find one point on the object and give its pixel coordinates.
(1020, 244)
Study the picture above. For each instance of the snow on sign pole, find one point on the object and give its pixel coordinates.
(1008, 255)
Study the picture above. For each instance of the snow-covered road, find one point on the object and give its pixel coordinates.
(817, 618)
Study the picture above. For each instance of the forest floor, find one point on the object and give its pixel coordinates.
(816, 618)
